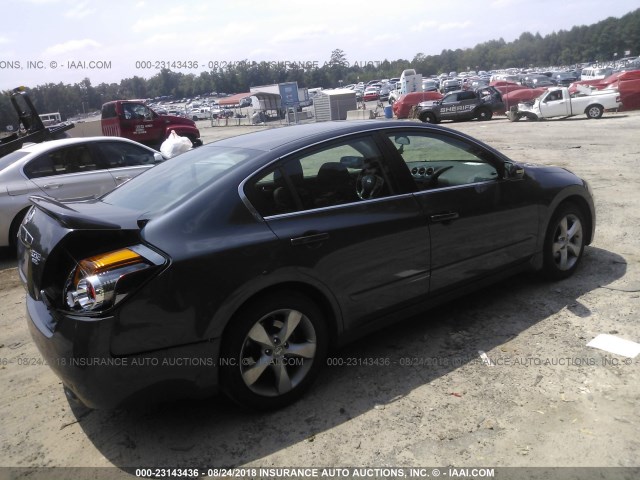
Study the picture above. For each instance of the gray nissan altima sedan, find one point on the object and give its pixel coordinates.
(66, 169)
(239, 264)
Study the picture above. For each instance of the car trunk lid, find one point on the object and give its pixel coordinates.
(51, 223)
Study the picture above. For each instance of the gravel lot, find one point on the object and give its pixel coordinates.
(549, 400)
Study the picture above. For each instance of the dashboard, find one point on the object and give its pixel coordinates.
(449, 173)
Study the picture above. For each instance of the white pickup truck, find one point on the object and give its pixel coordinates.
(557, 102)
(199, 113)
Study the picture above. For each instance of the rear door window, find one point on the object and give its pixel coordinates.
(121, 154)
(72, 159)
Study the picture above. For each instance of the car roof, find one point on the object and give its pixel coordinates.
(51, 144)
(272, 139)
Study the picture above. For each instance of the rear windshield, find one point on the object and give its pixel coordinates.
(166, 185)
(11, 158)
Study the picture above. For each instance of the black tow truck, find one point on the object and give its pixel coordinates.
(31, 130)
(460, 105)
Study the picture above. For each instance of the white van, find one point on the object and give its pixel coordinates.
(50, 118)
(595, 73)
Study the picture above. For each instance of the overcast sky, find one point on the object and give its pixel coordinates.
(43, 41)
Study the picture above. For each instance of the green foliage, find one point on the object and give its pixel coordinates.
(599, 42)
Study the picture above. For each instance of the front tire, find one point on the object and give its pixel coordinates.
(594, 111)
(273, 351)
(195, 142)
(514, 116)
(564, 242)
(428, 118)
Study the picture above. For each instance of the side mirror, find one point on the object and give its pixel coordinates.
(513, 171)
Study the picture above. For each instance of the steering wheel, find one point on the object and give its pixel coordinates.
(432, 179)
(368, 184)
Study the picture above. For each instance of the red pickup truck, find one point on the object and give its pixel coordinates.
(134, 120)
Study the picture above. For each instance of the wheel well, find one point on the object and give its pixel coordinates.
(13, 229)
(319, 298)
(581, 203)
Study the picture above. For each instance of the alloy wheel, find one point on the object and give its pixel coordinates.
(567, 242)
(278, 352)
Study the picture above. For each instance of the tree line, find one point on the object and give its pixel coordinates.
(602, 41)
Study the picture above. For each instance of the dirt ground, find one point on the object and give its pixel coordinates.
(547, 400)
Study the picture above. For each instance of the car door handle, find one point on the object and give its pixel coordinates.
(444, 217)
(123, 178)
(52, 186)
(308, 239)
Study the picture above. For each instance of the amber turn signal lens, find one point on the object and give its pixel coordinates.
(106, 261)
(95, 279)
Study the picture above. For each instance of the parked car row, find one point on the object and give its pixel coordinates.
(373, 90)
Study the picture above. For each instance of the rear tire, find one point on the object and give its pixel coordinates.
(594, 111)
(484, 114)
(273, 350)
(564, 242)
(195, 142)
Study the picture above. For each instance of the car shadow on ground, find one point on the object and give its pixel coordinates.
(215, 433)
(581, 118)
(8, 258)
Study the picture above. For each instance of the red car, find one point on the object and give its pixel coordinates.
(627, 83)
(523, 95)
(371, 95)
(402, 106)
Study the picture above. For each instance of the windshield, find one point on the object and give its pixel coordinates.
(164, 186)
(11, 158)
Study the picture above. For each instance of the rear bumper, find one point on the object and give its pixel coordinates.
(78, 351)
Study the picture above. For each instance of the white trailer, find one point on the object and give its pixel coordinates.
(410, 82)
(276, 88)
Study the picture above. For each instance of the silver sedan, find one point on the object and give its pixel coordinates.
(65, 169)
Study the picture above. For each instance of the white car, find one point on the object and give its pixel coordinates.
(65, 169)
